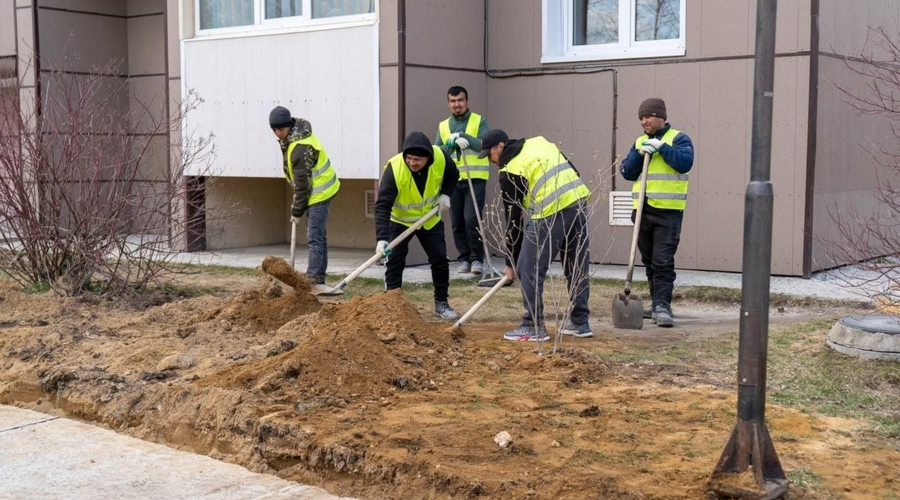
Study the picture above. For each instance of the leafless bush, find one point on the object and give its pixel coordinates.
(872, 231)
(559, 292)
(90, 198)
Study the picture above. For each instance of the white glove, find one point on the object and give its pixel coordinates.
(444, 202)
(295, 220)
(382, 247)
(650, 146)
(462, 143)
(453, 137)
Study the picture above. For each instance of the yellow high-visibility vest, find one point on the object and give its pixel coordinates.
(475, 167)
(410, 205)
(325, 183)
(666, 187)
(552, 182)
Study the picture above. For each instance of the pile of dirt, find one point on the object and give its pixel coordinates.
(365, 348)
(265, 309)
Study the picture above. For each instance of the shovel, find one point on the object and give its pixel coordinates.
(494, 279)
(455, 329)
(339, 288)
(628, 309)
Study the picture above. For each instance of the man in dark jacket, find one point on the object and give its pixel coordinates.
(308, 170)
(412, 183)
(672, 156)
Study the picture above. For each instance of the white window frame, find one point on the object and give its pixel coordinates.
(557, 26)
(262, 25)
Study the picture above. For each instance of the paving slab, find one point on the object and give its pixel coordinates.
(43, 457)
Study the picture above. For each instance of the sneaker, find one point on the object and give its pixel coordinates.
(477, 267)
(527, 334)
(663, 316)
(648, 313)
(316, 280)
(464, 267)
(444, 311)
(580, 331)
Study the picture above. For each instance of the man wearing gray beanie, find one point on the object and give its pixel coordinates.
(308, 170)
(671, 158)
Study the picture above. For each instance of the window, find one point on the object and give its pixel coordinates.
(584, 30)
(230, 16)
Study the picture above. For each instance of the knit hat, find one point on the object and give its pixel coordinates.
(653, 106)
(280, 117)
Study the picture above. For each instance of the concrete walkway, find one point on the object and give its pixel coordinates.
(43, 457)
(843, 284)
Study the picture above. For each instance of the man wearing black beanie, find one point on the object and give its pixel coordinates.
(308, 170)
(672, 156)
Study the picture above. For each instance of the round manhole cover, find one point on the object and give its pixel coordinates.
(874, 323)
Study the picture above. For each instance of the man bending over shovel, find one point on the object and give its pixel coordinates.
(535, 176)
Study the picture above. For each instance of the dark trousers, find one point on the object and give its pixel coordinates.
(658, 241)
(316, 219)
(435, 247)
(466, 235)
(564, 233)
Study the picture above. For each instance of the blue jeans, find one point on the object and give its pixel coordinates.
(316, 219)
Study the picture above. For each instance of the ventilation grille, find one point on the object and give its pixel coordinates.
(370, 203)
(620, 208)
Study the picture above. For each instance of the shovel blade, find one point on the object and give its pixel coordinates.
(326, 291)
(627, 311)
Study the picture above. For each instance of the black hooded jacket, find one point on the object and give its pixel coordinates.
(417, 144)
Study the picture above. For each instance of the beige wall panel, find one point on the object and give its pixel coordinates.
(785, 162)
(348, 226)
(147, 102)
(143, 7)
(693, 29)
(23, 3)
(110, 96)
(444, 33)
(726, 28)
(262, 221)
(553, 106)
(98, 41)
(512, 34)
(718, 197)
(510, 105)
(7, 28)
(387, 32)
(388, 137)
(25, 46)
(801, 87)
(804, 24)
(173, 44)
(792, 24)
(154, 162)
(850, 21)
(146, 43)
(113, 7)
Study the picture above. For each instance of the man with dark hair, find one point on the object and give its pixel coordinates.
(672, 156)
(308, 170)
(537, 178)
(413, 182)
(461, 133)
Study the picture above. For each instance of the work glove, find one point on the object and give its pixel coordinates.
(650, 146)
(295, 220)
(444, 202)
(382, 246)
(450, 144)
(462, 143)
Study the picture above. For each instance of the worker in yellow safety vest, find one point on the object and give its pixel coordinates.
(413, 182)
(537, 180)
(460, 134)
(672, 156)
(308, 170)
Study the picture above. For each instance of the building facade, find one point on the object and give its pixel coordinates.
(366, 72)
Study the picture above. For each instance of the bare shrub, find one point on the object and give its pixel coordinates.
(90, 198)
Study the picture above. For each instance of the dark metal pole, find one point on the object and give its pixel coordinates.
(750, 447)
(401, 70)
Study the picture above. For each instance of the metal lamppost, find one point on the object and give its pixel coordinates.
(749, 467)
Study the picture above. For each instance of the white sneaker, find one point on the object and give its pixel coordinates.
(477, 267)
(464, 267)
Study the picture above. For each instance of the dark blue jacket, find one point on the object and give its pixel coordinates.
(680, 156)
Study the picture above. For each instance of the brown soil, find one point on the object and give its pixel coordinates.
(368, 400)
